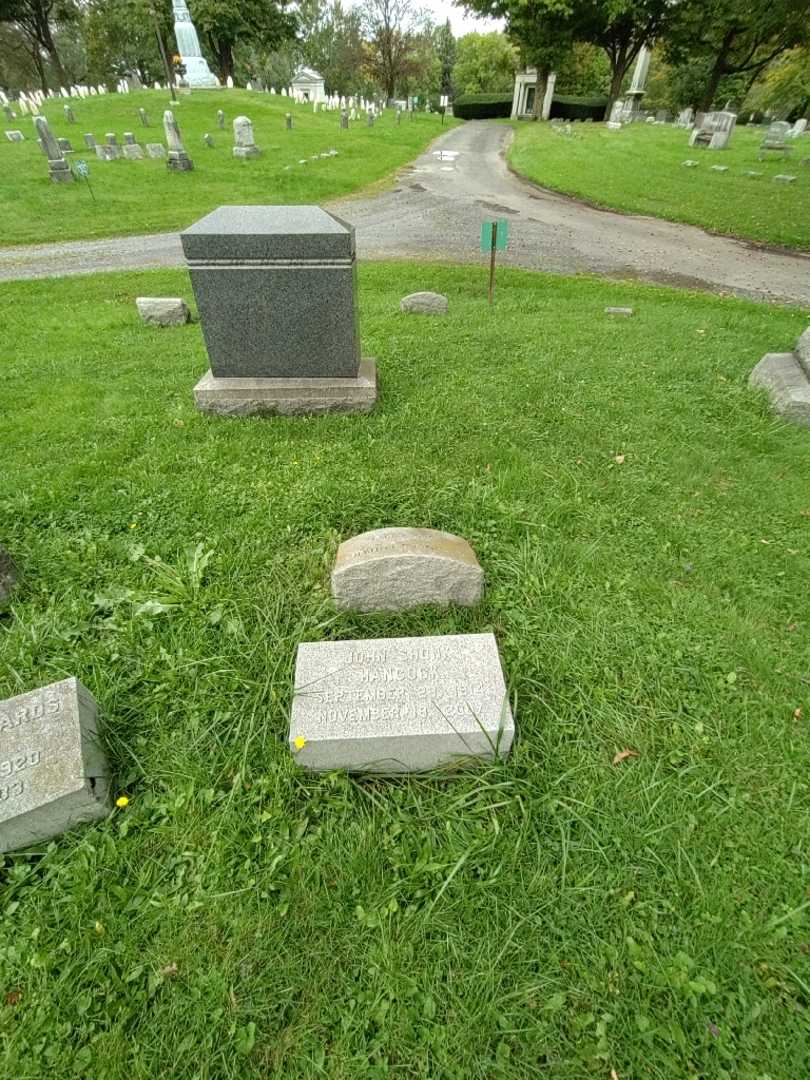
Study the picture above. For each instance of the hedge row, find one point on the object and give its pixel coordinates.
(487, 106)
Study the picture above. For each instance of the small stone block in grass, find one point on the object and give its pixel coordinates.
(53, 771)
(689, 164)
(719, 168)
(396, 569)
(785, 380)
(424, 303)
(784, 178)
(625, 311)
(399, 705)
(163, 311)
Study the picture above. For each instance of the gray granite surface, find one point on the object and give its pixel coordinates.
(53, 771)
(398, 705)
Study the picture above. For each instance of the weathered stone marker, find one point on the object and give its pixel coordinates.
(15, 136)
(156, 150)
(58, 168)
(220, 119)
(400, 568)
(243, 138)
(786, 379)
(399, 704)
(163, 310)
(424, 303)
(289, 121)
(178, 161)
(53, 772)
(8, 575)
(275, 289)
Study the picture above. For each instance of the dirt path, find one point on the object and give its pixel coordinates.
(435, 210)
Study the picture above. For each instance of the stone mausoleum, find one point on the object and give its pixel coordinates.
(309, 84)
(525, 89)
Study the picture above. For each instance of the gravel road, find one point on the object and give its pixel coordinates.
(435, 210)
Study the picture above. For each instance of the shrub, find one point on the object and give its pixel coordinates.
(482, 106)
(578, 108)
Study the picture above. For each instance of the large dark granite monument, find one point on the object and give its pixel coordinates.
(276, 292)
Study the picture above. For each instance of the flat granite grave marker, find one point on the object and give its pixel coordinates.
(399, 568)
(276, 293)
(53, 772)
(15, 136)
(399, 705)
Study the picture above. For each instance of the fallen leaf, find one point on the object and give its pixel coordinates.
(13, 997)
(614, 1075)
(169, 971)
(619, 459)
(179, 423)
(797, 714)
(791, 626)
(623, 755)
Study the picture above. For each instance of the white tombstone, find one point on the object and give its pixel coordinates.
(229, 82)
(798, 128)
(243, 138)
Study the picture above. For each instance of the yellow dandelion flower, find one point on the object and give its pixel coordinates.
(133, 524)
(122, 801)
(300, 742)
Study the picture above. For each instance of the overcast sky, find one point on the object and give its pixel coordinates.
(461, 22)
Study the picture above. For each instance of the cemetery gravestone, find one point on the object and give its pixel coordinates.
(786, 379)
(53, 771)
(275, 289)
(64, 146)
(399, 705)
(289, 121)
(90, 141)
(142, 113)
(400, 568)
(178, 161)
(713, 130)
(344, 120)
(15, 136)
(156, 150)
(798, 128)
(69, 115)
(10, 114)
(776, 140)
(106, 153)
(58, 168)
(243, 137)
(129, 138)
(132, 152)
(220, 119)
(163, 310)
(8, 575)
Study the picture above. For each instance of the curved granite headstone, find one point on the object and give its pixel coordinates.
(399, 568)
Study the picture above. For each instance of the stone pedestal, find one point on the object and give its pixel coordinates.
(786, 379)
(275, 288)
(59, 172)
(179, 161)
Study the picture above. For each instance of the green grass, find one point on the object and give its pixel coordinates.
(643, 523)
(639, 169)
(143, 196)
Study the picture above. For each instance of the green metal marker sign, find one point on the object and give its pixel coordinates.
(501, 235)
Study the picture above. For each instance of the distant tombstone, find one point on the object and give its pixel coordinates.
(798, 128)
(289, 121)
(69, 115)
(9, 575)
(208, 140)
(9, 112)
(15, 136)
(786, 379)
(396, 569)
(399, 705)
(344, 120)
(220, 119)
(229, 82)
(129, 138)
(370, 120)
(685, 118)
(784, 178)
(112, 145)
(144, 117)
(107, 153)
(53, 770)
(155, 150)
(243, 138)
(776, 139)
(132, 152)
(293, 268)
(178, 161)
(714, 131)
(58, 168)
(64, 146)
(90, 141)
(163, 310)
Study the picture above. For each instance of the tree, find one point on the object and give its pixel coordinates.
(736, 37)
(36, 21)
(785, 85)
(225, 23)
(621, 28)
(333, 45)
(120, 38)
(446, 52)
(391, 28)
(485, 63)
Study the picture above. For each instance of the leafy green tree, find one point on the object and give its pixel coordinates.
(36, 22)
(333, 45)
(734, 37)
(120, 38)
(485, 63)
(392, 28)
(226, 23)
(446, 46)
(785, 85)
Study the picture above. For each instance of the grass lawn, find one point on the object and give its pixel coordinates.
(143, 196)
(639, 169)
(643, 523)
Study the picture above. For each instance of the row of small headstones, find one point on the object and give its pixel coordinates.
(437, 698)
(783, 178)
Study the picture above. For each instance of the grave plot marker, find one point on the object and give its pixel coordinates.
(494, 237)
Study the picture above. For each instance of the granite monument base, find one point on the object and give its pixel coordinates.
(288, 396)
(59, 172)
(246, 152)
(179, 161)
